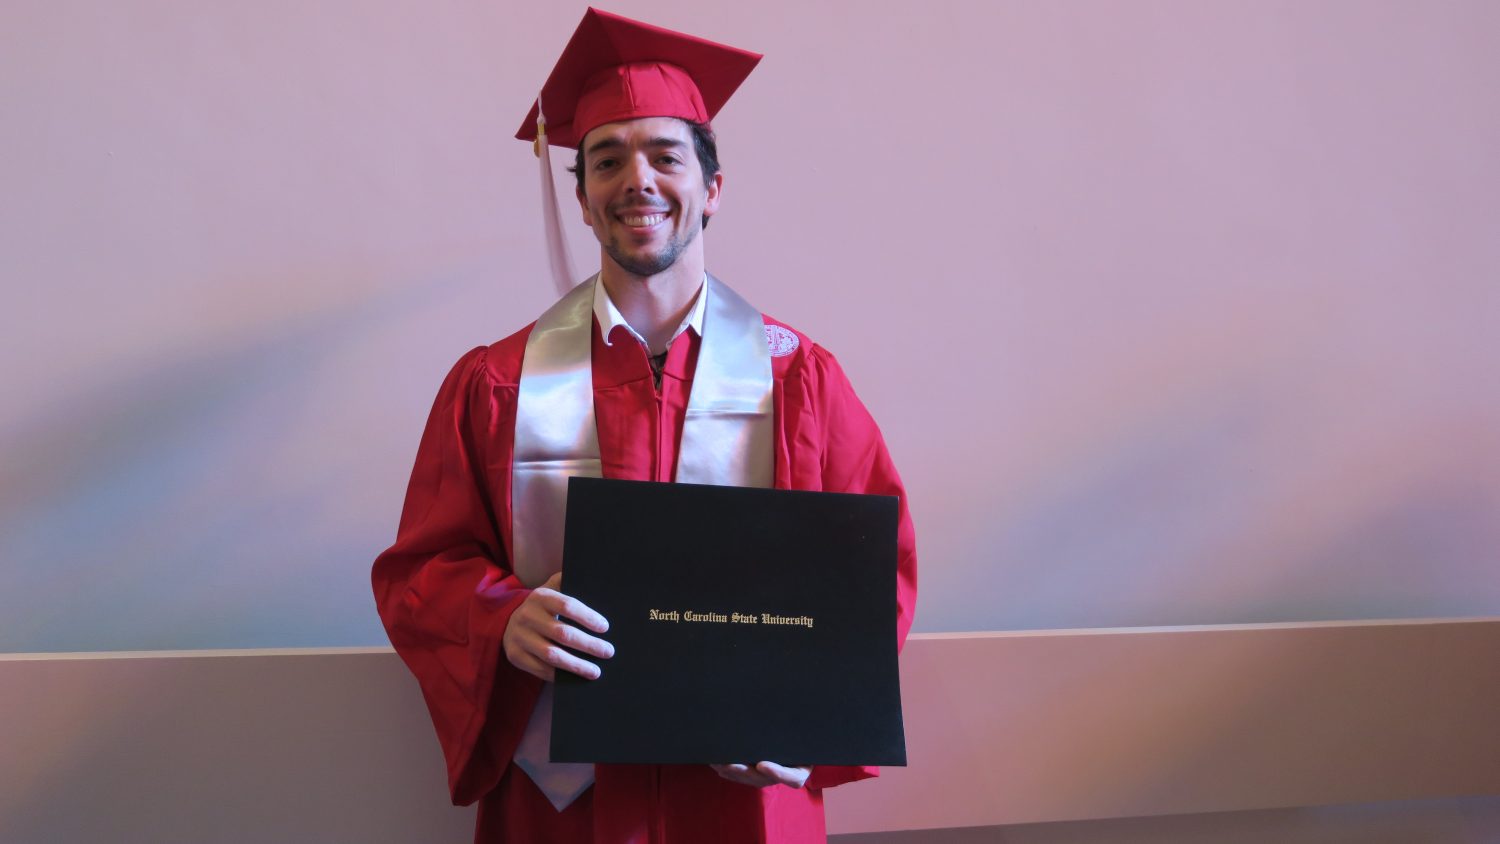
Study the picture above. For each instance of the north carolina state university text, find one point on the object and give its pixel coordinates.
(732, 618)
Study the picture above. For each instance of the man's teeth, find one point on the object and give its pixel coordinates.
(648, 220)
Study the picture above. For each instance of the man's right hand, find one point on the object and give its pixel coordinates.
(535, 638)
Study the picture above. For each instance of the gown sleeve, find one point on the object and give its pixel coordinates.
(445, 590)
(855, 459)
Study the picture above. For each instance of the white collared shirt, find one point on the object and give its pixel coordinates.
(609, 316)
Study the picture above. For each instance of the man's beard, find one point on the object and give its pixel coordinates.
(649, 264)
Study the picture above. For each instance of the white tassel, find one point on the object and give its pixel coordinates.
(557, 245)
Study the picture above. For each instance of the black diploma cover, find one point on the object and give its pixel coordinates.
(748, 625)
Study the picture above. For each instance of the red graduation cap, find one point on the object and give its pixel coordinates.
(616, 68)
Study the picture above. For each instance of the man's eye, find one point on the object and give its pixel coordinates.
(669, 160)
(604, 164)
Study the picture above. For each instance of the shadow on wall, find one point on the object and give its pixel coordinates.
(1211, 506)
(198, 503)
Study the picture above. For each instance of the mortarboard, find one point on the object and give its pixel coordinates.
(616, 68)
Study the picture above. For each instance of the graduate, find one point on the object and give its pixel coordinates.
(628, 376)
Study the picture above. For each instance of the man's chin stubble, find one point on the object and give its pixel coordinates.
(648, 265)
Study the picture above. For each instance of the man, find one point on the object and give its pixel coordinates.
(627, 377)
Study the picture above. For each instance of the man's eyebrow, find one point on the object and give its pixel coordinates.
(606, 143)
(616, 143)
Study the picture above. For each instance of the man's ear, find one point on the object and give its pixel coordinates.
(583, 204)
(715, 185)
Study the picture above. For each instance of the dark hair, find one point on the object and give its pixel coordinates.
(705, 145)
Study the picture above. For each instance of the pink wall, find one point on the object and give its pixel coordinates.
(1172, 312)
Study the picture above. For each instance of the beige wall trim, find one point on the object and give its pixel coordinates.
(1007, 728)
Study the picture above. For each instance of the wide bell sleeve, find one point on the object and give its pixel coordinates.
(445, 590)
(855, 459)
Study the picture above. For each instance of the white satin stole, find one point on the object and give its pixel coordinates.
(727, 440)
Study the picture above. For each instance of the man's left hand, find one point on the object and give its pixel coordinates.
(764, 774)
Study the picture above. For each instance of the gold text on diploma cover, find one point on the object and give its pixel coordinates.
(731, 618)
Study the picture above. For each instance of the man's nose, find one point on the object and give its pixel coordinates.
(639, 176)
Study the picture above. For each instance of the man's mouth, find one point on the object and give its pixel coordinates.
(642, 220)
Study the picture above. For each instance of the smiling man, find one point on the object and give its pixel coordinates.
(644, 192)
(647, 194)
(652, 369)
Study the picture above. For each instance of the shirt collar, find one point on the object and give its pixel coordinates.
(610, 317)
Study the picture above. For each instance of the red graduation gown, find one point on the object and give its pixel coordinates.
(445, 589)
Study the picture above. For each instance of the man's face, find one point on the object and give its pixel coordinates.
(644, 193)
